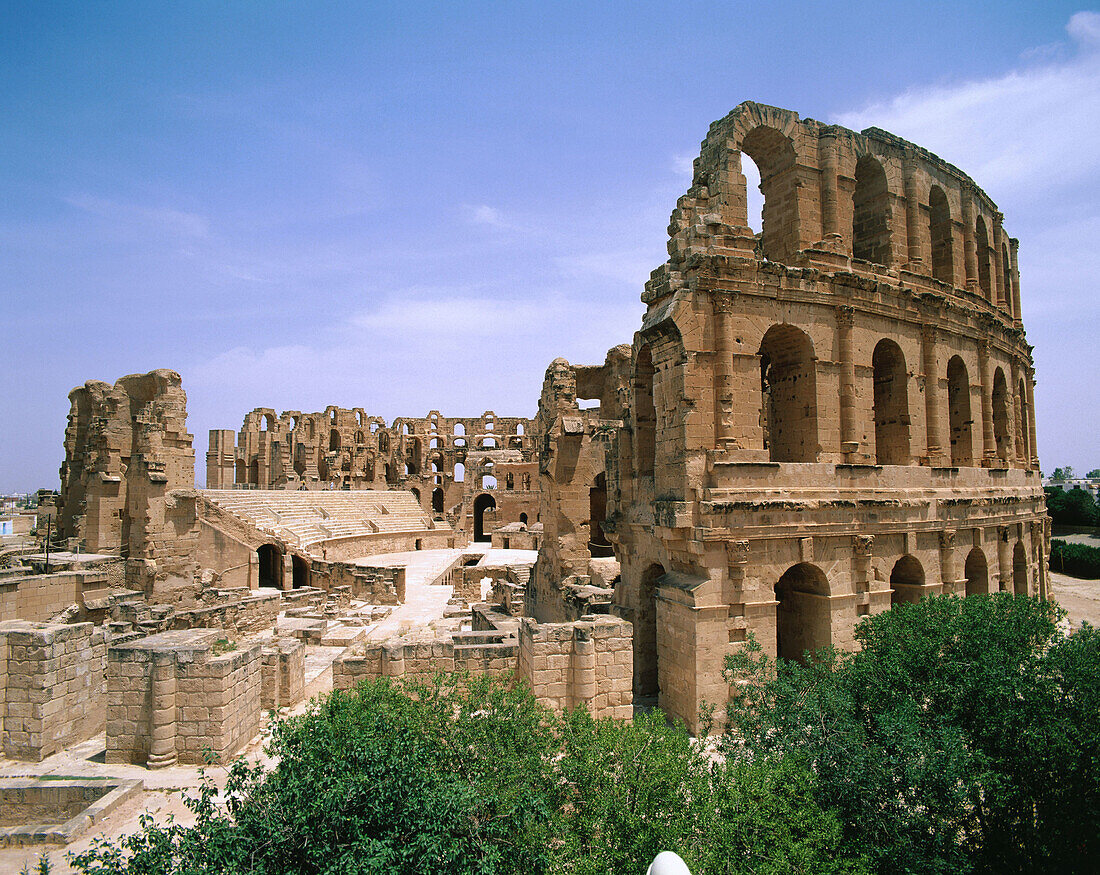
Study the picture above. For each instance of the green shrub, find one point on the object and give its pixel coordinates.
(1079, 560)
(961, 737)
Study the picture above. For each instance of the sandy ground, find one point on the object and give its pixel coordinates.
(1080, 598)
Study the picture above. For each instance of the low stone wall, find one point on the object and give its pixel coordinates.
(40, 597)
(175, 697)
(588, 662)
(284, 666)
(343, 549)
(51, 686)
(379, 585)
(239, 611)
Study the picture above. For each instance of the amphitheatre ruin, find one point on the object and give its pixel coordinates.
(810, 424)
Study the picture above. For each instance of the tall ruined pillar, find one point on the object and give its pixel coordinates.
(723, 369)
(162, 708)
(1029, 387)
(827, 156)
(1014, 267)
(849, 445)
(989, 443)
(932, 402)
(862, 548)
(912, 215)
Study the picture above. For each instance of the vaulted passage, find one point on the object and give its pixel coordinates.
(940, 230)
(803, 620)
(1019, 569)
(773, 154)
(871, 213)
(891, 404)
(437, 500)
(483, 504)
(598, 545)
(1000, 415)
(646, 674)
(958, 413)
(788, 389)
(300, 570)
(906, 580)
(977, 573)
(271, 565)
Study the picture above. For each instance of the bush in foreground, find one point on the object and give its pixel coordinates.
(470, 775)
(964, 736)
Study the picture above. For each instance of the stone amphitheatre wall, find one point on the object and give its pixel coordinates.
(820, 419)
(453, 465)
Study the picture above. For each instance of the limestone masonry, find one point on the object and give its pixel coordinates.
(812, 423)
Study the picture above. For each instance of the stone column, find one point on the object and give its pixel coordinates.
(849, 445)
(912, 215)
(970, 251)
(162, 710)
(1029, 387)
(1004, 558)
(584, 667)
(723, 369)
(1014, 266)
(733, 591)
(1001, 296)
(932, 405)
(948, 575)
(989, 443)
(862, 549)
(830, 224)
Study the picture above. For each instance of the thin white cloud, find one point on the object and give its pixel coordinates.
(483, 214)
(1022, 133)
(161, 219)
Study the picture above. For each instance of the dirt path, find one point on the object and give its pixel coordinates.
(1080, 598)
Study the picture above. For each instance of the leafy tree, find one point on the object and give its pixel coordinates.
(1072, 507)
(470, 775)
(1065, 473)
(1094, 474)
(961, 737)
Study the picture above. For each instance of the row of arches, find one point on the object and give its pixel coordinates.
(879, 229)
(271, 567)
(788, 416)
(803, 617)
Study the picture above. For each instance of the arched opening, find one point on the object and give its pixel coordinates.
(488, 482)
(598, 545)
(359, 437)
(788, 388)
(416, 494)
(437, 500)
(958, 413)
(773, 154)
(519, 428)
(488, 443)
(803, 621)
(241, 472)
(1000, 414)
(981, 243)
(646, 660)
(509, 481)
(460, 428)
(1019, 569)
(300, 571)
(1023, 434)
(645, 414)
(523, 518)
(483, 504)
(436, 444)
(460, 472)
(271, 565)
(1006, 280)
(322, 468)
(333, 440)
(871, 213)
(939, 226)
(891, 404)
(254, 472)
(976, 571)
(267, 423)
(383, 442)
(906, 580)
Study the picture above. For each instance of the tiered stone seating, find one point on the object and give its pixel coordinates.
(309, 517)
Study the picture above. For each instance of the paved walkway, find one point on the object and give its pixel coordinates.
(424, 603)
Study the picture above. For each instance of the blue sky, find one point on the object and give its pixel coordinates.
(419, 206)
